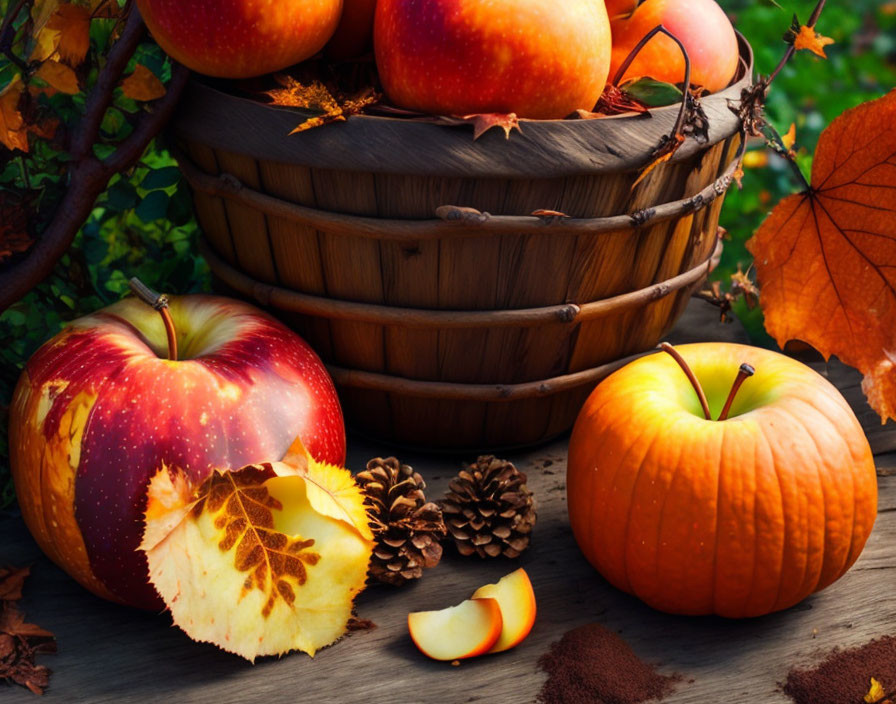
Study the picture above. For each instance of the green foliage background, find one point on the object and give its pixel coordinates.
(143, 225)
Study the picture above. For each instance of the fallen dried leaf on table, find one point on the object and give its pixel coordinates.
(875, 693)
(261, 560)
(20, 642)
(826, 258)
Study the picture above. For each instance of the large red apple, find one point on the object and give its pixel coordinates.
(99, 409)
(702, 27)
(540, 59)
(737, 514)
(240, 38)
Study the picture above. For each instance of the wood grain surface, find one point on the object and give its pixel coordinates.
(108, 653)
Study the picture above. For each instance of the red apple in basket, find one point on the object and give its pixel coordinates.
(100, 408)
(740, 506)
(702, 27)
(240, 38)
(540, 59)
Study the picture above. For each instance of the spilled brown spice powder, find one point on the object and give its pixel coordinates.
(594, 665)
(844, 677)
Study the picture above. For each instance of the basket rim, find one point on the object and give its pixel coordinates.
(388, 145)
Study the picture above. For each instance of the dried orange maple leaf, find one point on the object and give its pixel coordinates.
(826, 258)
(261, 560)
(143, 85)
(483, 122)
(317, 97)
(807, 38)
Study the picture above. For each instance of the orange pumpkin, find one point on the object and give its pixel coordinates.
(739, 517)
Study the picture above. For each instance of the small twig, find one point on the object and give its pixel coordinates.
(777, 145)
(682, 112)
(813, 20)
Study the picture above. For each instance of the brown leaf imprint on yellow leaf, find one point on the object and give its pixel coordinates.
(826, 258)
(143, 85)
(807, 38)
(244, 507)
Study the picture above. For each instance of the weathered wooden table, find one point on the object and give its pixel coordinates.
(108, 653)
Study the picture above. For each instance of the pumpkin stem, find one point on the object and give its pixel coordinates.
(669, 349)
(159, 301)
(745, 372)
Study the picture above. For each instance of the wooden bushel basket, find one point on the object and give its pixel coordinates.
(406, 253)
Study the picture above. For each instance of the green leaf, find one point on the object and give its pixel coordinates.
(652, 92)
(122, 195)
(161, 178)
(153, 206)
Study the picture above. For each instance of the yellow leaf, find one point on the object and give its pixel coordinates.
(143, 85)
(808, 38)
(332, 491)
(72, 22)
(789, 139)
(876, 693)
(45, 45)
(13, 132)
(247, 561)
(60, 76)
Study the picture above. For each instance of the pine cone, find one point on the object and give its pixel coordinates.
(407, 529)
(489, 509)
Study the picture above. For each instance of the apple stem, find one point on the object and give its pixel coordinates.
(159, 301)
(669, 349)
(744, 373)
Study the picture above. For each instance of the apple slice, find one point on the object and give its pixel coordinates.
(516, 598)
(458, 632)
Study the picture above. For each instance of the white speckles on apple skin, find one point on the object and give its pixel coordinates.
(539, 58)
(241, 38)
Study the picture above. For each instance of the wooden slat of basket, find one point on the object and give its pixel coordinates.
(366, 314)
(234, 190)
(247, 225)
(296, 247)
(210, 209)
(492, 393)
